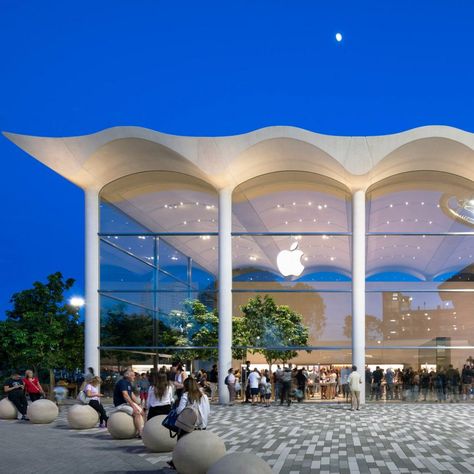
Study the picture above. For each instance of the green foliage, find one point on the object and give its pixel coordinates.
(42, 331)
(263, 324)
(270, 325)
(122, 329)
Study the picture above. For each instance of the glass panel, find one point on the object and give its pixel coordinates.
(421, 258)
(141, 246)
(422, 202)
(421, 319)
(201, 250)
(322, 258)
(326, 316)
(312, 361)
(124, 324)
(201, 278)
(113, 220)
(165, 201)
(143, 300)
(291, 201)
(119, 271)
(170, 302)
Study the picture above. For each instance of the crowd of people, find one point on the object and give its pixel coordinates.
(445, 384)
(146, 395)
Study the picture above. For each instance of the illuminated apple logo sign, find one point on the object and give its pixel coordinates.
(289, 261)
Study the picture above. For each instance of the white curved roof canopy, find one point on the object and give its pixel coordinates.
(97, 160)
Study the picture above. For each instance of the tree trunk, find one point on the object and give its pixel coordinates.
(52, 383)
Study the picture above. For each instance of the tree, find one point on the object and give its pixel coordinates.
(373, 327)
(119, 328)
(273, 326)
(42, 331)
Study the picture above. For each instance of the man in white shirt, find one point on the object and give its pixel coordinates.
(355, 381)
(254, 379)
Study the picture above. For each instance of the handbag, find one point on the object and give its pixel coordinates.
(83, 398)
(170, 422)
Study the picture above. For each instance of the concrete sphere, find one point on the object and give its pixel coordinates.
(8, 411)
(120, 425)
(156, 437)
(43, 411)
(82, 417)
(237, 463)
(196, 452)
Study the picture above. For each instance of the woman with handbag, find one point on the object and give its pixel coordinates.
(92, 391)
(32, 386)
(160, 395)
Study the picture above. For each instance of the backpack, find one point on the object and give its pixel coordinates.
(187, 419)
(226, 381)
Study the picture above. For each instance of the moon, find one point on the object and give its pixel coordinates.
(338, 37)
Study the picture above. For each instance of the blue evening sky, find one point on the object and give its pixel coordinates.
(208, 68)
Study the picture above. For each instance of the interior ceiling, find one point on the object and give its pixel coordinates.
(289, 202)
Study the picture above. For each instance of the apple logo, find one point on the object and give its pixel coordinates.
(289, 261)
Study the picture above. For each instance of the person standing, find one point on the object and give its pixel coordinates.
(32, 386)
(92, 390)
(143, 384)
(286, 386)
(245, 381)
(125, 400)
(355, 381)
(213, 378)
(15, 390)
(179, 379)
(230, 382)
(254, 380)
(389, 378)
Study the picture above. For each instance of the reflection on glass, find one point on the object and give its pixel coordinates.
(420, 319)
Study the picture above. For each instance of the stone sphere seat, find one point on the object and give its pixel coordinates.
(156, 437)
(237, 463)
(43, 411)
(82, 417)
(196, 452)
(8, 411)
(120, 425)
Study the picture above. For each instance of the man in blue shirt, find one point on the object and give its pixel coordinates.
(125, 400)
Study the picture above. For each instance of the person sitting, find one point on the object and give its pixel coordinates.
(160, 395)
(126, 401)
(15, 390)
(92, 390)
(32, 386)
(192, 396)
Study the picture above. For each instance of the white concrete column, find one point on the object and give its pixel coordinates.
(225, 290)
(358, 285)
(92, 323)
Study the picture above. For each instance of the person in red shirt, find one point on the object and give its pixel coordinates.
(32, 386)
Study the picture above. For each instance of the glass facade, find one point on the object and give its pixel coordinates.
(159, 253)
(420, 249)
(150, 273)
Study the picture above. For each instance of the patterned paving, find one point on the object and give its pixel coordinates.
(327, 438)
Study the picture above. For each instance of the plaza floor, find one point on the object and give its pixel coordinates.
(303, 438)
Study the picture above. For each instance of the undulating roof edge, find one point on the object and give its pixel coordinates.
(91, 161)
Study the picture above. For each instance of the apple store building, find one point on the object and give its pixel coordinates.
(369, 239)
